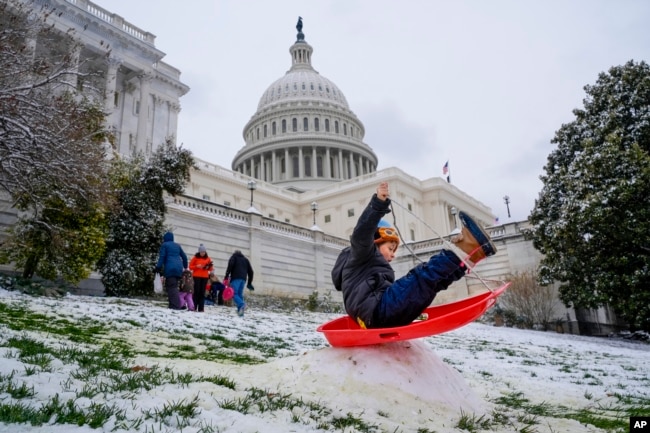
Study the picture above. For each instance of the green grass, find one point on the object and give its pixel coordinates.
(102, 364)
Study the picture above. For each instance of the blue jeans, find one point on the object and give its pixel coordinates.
(408, 296)
(238, 288)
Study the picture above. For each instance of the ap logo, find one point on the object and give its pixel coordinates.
(640, 424)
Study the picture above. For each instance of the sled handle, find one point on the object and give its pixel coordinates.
(389, 335)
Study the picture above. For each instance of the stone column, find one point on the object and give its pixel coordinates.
(340, 163)
(143, 113)
(320, 284)
(113, 63)
(174, 109)
(274, 167)
(301, 164)
(327, 170)
(287, 164)
(256, 234)
(314, 166)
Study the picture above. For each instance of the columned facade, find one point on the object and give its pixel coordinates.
(141, 93)
(304, 135)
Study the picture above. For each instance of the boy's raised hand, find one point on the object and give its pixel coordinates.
(382, 191)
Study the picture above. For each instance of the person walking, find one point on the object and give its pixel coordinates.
(239, 269)
(172, 260)
(200, 265)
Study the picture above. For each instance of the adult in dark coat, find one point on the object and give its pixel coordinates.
(238, 270)
(172, 260)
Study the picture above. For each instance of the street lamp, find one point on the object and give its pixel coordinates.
(314, 208)
(252, 186)
(506, 200)
(454, 211)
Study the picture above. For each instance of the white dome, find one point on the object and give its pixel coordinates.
(302, 85)
(303, 135)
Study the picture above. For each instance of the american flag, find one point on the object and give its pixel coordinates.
(445, 168)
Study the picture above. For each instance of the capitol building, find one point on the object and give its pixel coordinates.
(302, 177)
(295, 189)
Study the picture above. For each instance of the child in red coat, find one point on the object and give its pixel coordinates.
(201, 266)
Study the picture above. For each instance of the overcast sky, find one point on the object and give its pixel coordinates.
(481, 84)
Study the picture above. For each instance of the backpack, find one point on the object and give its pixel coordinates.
(187, 282)
(337, 270)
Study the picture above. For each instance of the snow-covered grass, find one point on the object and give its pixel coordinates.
(84, 364)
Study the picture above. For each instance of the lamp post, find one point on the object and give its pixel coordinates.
(252, 186)
(506, 200)
(314, 208)
(454, 211)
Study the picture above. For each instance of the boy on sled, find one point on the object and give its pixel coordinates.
(372, 296)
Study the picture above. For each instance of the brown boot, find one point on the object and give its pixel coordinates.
(473, 240)
(469, 245)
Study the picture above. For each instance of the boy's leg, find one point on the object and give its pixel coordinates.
(408, 296)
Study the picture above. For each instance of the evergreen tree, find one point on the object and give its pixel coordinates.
(137, 223)
(592, 218)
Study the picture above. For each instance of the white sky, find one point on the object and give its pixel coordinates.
(482, 84)
(400, 387)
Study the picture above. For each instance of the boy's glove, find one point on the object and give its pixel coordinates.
(157, 270)
(250, 287)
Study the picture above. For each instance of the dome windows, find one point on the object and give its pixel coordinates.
(316, 124)
(294, 124)
(305, 124)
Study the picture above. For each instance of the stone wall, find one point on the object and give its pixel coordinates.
(294, 261)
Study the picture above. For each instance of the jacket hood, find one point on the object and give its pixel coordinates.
(169, 237)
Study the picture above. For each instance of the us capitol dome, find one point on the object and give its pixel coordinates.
(303, 135)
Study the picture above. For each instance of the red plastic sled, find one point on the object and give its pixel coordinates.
(345, 332)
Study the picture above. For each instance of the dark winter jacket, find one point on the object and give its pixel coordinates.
(172, 259)
(362, 273)
(239, 268)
